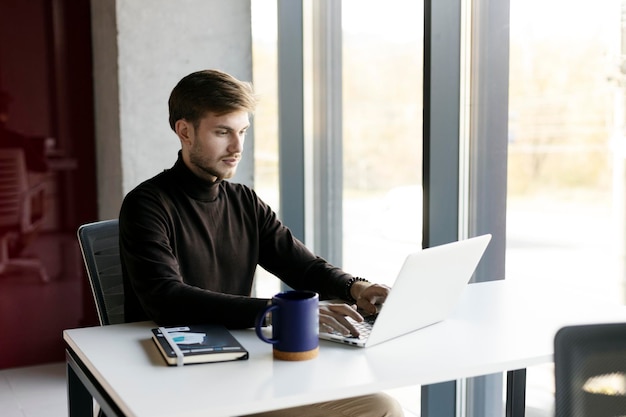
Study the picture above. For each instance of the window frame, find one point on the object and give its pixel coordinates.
(464, 172)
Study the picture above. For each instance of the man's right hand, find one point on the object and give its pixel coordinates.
(333, 317)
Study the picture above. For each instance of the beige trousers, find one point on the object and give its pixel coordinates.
(375, 405)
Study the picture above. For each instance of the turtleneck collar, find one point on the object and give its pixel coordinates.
(194, 186)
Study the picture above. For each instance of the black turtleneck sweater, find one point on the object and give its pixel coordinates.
(190, 249)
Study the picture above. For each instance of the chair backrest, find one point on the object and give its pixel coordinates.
(13, 187)
(590, 370)
(99, 245)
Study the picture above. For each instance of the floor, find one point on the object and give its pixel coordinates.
(36, 391)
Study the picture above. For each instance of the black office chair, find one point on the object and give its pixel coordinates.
(590, 370)
(99, 244)
(100, 248)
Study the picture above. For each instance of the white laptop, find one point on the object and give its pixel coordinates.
(426, 291)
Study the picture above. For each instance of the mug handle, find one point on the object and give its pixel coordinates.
(259, 323)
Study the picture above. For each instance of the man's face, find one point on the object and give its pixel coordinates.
(213, 150)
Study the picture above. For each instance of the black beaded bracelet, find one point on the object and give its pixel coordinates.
(349, 284)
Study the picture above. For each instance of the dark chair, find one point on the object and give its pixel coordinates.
(590, 370)
(100, 248)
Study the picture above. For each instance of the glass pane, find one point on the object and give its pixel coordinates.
(382, 130)
(566, 179)
(265, 74)
(264, 56)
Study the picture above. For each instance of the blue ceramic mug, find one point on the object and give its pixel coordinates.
(295, 325)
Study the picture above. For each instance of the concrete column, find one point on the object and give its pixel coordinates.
(141, 48)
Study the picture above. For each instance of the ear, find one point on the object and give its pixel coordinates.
(185, 131)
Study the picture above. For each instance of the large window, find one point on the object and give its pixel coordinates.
(565, 203)
(382, 135)
(379, 142)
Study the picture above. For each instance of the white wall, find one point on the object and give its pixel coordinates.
(141, 49)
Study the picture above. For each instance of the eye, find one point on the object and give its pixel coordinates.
(222, 132)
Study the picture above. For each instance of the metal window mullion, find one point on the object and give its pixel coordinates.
(488, 181)
(441, 153)
(327, 130)
(441, 121)
(489, 133)
(291, 116)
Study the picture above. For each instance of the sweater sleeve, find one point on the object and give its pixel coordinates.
(290, 260)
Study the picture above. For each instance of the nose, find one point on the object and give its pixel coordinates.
(236, 143)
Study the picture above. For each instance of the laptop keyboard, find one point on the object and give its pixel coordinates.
(364, 327)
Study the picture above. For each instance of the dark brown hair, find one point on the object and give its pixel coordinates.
(209, 91)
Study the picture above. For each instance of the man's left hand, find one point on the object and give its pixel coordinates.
(368, 296)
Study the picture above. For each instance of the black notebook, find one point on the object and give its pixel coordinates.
(197, 344)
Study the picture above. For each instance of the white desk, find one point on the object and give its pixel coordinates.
(498, 326)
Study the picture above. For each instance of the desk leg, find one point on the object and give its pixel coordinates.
(516, 393)
(79, 400)
(83, 389)
(439, 400)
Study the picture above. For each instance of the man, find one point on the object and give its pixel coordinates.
(190, 241)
